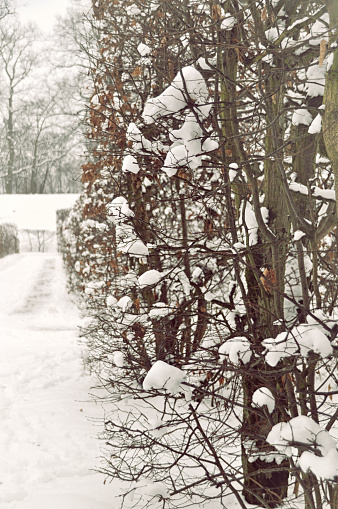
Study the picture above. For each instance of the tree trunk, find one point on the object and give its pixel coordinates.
(10, 141)
(330, 122)
(266, 482)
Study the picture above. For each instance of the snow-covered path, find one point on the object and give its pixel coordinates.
(48, 444)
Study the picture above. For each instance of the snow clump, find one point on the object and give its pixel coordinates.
(159, 310)
(263, 396)
(300, 340)
(143, 49)
(164, 376)
(188, 85)
(150, 277)
(130, 164)
(298, 235)
(228, 22)
(304, 432)
(301, 116)
(111, 300)
(118, 359)
(316, 125)
(237, 349)
(124, 303)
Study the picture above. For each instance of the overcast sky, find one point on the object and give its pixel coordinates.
(43, 12)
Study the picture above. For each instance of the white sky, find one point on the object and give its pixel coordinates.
(42, 12)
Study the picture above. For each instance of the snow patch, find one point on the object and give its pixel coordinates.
(263, 397)
(164, 376)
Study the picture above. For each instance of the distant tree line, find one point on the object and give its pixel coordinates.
(40, 108)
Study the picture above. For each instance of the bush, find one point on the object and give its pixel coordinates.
(9, 241)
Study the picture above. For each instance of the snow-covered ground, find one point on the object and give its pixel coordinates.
(48, 426)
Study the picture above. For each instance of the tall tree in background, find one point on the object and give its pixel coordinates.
(17, 62)
(204, 258)
(40, 113)
(4, 8)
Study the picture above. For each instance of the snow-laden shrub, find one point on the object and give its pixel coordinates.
(9, 241)
(195, 256)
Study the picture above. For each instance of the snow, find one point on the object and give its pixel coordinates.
(177, 156)
(118, 359)
(48, 444)
(238, 245)
(316, 80)
(298, 235)
(133, 10)
(130, 164)
(263, 397)
(111, 300)
(164, 376)
(186, 149)
(301, 116)
(325, 467)
(150, 277)
(160, 309)
(209, 145)
(196, 274)
(251, 223)
(238, 349)
(204, 64)
(125, 211)
(233, 171)
(320, 30)
(265, 214)
(124, 303)
(143, 49)
(326, 194)
(304, 432)
(298, 188)
(115, 206)
(316, 125)
(272, 34)
(228, 22)
(174, 98)
(301, 340)
(135, 248)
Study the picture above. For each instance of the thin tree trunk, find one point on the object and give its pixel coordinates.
(330, 121)
(10, 141)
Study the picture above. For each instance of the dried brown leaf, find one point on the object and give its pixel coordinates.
(216, 12)
(322, 51)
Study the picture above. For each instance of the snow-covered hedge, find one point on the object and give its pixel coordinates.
(61, 216)
(9, 241)
(204, 305)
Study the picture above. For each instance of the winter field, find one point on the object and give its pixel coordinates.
(48, 444)
(49, 426)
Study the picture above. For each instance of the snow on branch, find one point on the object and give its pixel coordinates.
(324, 194)
(301, 340)
(302, 432)
(187, 88)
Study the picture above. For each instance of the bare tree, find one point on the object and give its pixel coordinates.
(18, 59)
